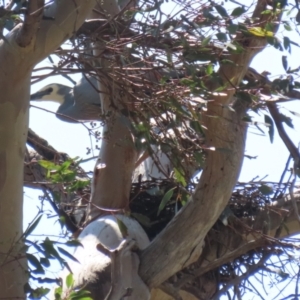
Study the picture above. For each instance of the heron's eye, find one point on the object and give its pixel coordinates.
(49, 90)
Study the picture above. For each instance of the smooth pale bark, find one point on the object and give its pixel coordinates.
(226, 132)
(113, 171)
(14, 87)
(94, 267)
(67, 16)
(16, 66)
(115, 165)
(230, 242)
(148, 168)
(227, 243)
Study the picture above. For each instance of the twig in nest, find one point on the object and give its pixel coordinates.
(273, 109)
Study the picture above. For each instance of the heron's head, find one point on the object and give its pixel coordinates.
(53, 92)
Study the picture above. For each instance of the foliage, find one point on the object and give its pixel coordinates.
(169, 68)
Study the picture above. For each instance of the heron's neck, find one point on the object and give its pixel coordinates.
(59, 94)
(53, 98)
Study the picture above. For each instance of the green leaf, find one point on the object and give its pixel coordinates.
(58, 292)
(69, 281)
(287, 44)
(227, 62)
(221, 10)
(27, 288)
(31, 227)
(123, 228)
(244, 96)
(65, 165)
(68, 176)
(73, 243)
(206, 41)
(297, 85)
(168, 195)
(298, 17)
(232, 28)
(270, 122)
(47, 280)
(39, 292)
(67, 254)
(178, 175)
(184, 199)
(260, 32)
(80, 183)
(196, 126)
(209, 69)
(266, 189)
(284, 62)
(275, 43)
(48, 165)
(269, 27)
(50, 250)
(266, 12)
(192, 55)
(294, 113)
(222, 37)
(34, 261)
(287, 120)
(81, 298)
(45, 261)
(142, 219)
(80, 295)
(287, 26)
(238, 11)
(199, 157)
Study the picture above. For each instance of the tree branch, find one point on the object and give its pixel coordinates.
(42, 147)
(230, 242)
(226, 131)
(250, 271)
(61, 20)
(273, 109)
(118, 154)
(33, 17)
(124, 273)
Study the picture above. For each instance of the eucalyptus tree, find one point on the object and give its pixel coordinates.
(192, 117)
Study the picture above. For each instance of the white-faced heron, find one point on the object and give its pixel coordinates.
(81, 103)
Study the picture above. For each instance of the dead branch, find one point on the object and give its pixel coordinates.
(42, 147)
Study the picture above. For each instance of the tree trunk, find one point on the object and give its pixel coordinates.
(14, 87)
(25, 46)
(226, 133)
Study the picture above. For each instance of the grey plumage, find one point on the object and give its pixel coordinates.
(81, 103)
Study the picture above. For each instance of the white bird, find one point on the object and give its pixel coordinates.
(81, 103)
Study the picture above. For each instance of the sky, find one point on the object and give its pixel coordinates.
(74, 138)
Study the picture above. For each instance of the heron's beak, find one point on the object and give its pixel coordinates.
(38, 95)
